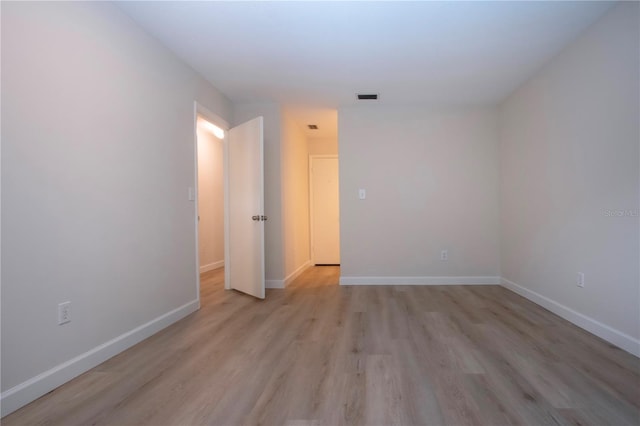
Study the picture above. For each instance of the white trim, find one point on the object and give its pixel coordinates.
(212, 116)
(211, 266)
(227, 238)
(295, 274)
(263, 225)
(39, 385)
(196, 108)
(419, 280)
(274, 283)
(611, 335)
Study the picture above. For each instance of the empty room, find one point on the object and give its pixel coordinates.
(320, 213)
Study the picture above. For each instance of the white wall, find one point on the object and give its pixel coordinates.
(432, 183)
(210, 200)
(569, 153)
(295, 198)
(322, 146)
(97, 156)
(274, 257)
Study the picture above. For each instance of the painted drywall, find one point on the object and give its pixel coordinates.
(273, 232)
(569, 153)
(210, 200)
(323, 146)
(97, 155)
(295, 197)
(431, 181)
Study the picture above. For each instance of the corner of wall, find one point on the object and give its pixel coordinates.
(610, 334)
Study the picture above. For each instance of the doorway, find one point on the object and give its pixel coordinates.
(243, 215)
(210, 197)
(210, 132)
(324, 209)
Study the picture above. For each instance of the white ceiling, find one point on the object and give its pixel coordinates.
(309, 55)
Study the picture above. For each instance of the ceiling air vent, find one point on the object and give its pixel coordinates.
(367, 96)
(312, 126)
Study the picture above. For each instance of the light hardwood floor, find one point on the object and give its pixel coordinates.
(320, 354)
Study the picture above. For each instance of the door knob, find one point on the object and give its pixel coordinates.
(255, 217)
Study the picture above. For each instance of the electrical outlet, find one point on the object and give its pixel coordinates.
(444, 255)
(64, 313)
(580, 279)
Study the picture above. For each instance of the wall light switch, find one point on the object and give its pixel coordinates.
(64, 313)
(580, 279)
(192, 193)
(362, 194)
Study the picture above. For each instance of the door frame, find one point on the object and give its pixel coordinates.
(199, 109)
(311, 158)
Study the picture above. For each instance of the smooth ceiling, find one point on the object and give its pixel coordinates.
(319, 54)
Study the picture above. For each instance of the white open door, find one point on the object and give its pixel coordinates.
(245, 198)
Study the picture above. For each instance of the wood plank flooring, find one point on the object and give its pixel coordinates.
(320, 354)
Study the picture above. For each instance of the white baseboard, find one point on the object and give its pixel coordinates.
(39, 385)
(611, 335)
(292, 276)
(274, 283)
(295, 274)
(212, 266)
(419, 280)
